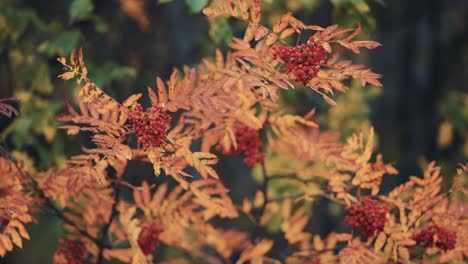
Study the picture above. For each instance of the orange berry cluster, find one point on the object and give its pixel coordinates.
(148, 239)
(368, 216)
(444, 239)
(248, 144)
(303, 60)
(71, 252)
(150, 126)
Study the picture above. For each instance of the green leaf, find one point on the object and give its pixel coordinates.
(61, 45)
(196, 6)
(361, 6)
(80, 10)
(99, 24)
(220, 30)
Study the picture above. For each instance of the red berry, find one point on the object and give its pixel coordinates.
(303, 60)
(150, 126)
(434, 235)
(71, 252)
(148, 239)
(248, 144)
(368, 215)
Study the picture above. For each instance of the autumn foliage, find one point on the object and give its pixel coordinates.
(231, 105)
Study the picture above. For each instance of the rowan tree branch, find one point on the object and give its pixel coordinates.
(47, 201)
(105, 228)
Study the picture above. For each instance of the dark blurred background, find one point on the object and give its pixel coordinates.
(420, 114)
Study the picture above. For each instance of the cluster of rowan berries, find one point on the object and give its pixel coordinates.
(434, 235)
(148, 239)
(368, 215)
(150, 126)
(71, 252)
(303, 60)
(248, 144)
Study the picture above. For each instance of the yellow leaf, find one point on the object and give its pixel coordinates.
(67, 75)
(62, 60)
(132, 100)
(286, 208)
(248, 119)
(286, 33)
(445, 136)
(6, 242)
(271, 39)
(380, 241)
(16, 238)
(246, 206)
(403, 253)
(139, 258)
(121, 254)
(318, 243)
(366, 155)
(406, 242)
(259, 199)
(388, 247)
(21, 228)
(255, 252)
(209, 11)
(329, 100)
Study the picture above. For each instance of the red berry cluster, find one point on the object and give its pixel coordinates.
(368, 216)
(71, 252)
(303, 60)
(444, 239)
(248, 144)
(148, 239)
(150, 126)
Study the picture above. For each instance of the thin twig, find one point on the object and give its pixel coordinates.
(105, 229)
(48, 202)
(447, 194)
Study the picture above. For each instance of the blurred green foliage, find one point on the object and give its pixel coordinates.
(453, 129)
(30, 44)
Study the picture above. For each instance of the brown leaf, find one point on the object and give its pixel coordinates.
(255, 10)
(162, 90)
(153, 97)
(282, 23)
(73, 58)
(255, 252)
